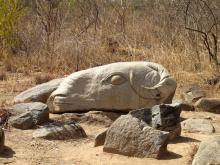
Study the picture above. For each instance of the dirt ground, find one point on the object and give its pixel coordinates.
(22, 149)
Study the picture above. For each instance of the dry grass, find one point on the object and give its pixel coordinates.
(3, 75)
(42, 78)
(151, 34)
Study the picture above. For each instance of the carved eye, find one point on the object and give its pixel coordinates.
(117, 80)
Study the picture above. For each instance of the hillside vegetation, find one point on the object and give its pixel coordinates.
(62, 36)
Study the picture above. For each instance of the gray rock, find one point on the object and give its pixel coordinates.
(100, 139)
(208, 152)
(27, 115)
(22, 121)
(164, 117)
(39, 93)
(197, 125)
(2, 139)
(60, 131)
(131, 136)
(192, 93)
(208, 104)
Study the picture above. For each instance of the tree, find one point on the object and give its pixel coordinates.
(200, 19)
(10, 13)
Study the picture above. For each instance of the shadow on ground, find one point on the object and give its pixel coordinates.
(183, 139)
(170, 155)
(7, 153)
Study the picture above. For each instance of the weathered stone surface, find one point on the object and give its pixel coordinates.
(28, 115)
(165, 117)
(197, 125)
(38, 111)
(131, 136)
(208, 152)
(60, 131)
(100, 139)
(192, 93)
(22, 121)
(2, 139)
(122, 86)
(208, 104)
(39, 93)
(141, 132)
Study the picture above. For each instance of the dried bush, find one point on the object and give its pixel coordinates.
(3, 76)
(42, 78)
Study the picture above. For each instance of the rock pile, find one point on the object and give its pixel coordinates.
(28, 115)
(142, 133)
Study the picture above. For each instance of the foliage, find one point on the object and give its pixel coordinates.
(10, 12)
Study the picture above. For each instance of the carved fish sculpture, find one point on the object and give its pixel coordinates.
(121, 86)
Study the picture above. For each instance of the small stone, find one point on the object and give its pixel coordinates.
(197, 125)
(22, 121)
(192, 93)
(60, 131)
(208, 105)
(38, 111)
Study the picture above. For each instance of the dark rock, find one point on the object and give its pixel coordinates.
(208, 104)
(38, 111)
(100, 139)
(131, 136)
(208, 152)
(27, 115)
(141, 133)
(192, 93)
(39, 93)
(2, 139)
(22, 121)
(197, 125)
(57, 131)
(164, 117)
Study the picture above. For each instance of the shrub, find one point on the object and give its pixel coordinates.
(10, 12)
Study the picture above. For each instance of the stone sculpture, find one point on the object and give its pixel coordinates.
(122, 86)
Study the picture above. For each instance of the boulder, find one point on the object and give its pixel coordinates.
(100, 138)
(141, 133)
(122, 86)
(197, 125)
(27, 115)
(208, 104)
(208, 152)
(39, 93)
(2, 139)
(22, 121)
(60, 131)
(191, 93)
(164, 117)
(131, 136)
